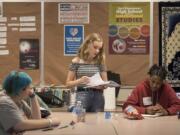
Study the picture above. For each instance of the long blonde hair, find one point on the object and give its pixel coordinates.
(83, 50)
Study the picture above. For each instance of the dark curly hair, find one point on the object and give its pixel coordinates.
(158, 71)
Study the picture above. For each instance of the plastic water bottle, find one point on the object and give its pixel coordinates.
(79, 112)
(107, 115)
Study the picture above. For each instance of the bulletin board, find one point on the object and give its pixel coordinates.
(22, 21)
(132, 68)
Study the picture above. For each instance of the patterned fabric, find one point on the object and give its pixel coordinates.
(170, 40)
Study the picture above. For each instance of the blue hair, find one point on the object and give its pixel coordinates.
(15, 82)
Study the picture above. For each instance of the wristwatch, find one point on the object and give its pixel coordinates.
(32, 95)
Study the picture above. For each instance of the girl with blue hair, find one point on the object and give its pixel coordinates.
(15, 115)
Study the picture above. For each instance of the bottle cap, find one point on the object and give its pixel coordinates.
(78, 102)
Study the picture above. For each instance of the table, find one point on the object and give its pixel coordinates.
(96, 125)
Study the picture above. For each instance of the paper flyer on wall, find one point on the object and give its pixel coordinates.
(29, 53)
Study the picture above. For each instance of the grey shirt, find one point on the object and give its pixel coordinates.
(82, 69)
(10, 115)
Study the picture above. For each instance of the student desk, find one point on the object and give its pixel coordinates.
(96, 125)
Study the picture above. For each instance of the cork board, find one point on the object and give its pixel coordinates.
(13, 12)
(132, 68)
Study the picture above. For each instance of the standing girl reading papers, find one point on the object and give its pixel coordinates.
(154, 95)
(90, 60)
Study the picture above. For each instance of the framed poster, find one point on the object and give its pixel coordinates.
(29, 53)
(73, 37)
(169, 52)
(129, 28)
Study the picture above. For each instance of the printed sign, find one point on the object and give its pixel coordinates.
(73, 37)
(73, 13)
(29, 53)
(129, 28)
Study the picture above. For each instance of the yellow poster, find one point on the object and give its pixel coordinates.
(129, 28)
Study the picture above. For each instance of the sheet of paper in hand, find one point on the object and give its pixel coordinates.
(96, 80)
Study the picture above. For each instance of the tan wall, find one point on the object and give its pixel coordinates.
(132, 68)
(11, 61)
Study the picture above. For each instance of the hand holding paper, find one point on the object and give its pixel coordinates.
(96, 80)
(84, 80)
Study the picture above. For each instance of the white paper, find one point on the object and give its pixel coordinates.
(27, 29)
(178, 94)
(3, 34)
(3, 19)
(73, 13)
(3, 41)
(13, 18)
(14, 29)
(4, 52)
(152, 116)
(96, 80)
(3, 28)
(13, 24)
(2, 24)
(2, 46)
(27, 18)
(28, 24)
(110, 99)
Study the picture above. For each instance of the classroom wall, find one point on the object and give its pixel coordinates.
(132, 68)
(11, 61)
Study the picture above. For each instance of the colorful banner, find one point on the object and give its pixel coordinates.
(73, 37)
(29, 53)
(129, 28)
(169, 18)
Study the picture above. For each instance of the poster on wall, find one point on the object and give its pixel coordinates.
(169, 40)
(29, 54)
(73, 13)
(1, 9)
(129, 28)
(73, 37)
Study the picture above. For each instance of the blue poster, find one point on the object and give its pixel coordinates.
(73, 37)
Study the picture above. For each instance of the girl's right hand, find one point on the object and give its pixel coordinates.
(84, 80)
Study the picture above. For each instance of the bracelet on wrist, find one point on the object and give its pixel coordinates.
(50, 122)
